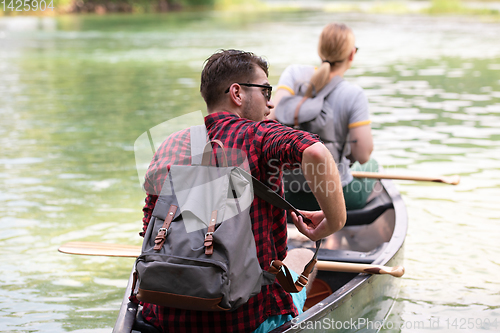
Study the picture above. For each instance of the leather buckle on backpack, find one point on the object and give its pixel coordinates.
(276, 268)
(208, 243)
(300, 283)
(163, 231)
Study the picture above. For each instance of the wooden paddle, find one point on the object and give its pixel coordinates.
(133, 251)
(334, 266)
(452, 180)
(101, 249)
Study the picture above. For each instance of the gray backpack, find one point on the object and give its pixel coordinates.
(314, 115)
(199, 250)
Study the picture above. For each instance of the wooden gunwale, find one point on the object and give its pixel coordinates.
(392, 253)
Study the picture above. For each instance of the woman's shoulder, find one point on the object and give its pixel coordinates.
(347, 85)
(349, 96)
(349, 89)
(300, 69)
(295, 75)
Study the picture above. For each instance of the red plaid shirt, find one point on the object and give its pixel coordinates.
(268, 146)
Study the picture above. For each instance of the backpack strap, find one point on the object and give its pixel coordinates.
(285, 278)
(201, 149)
(306, 109)
(208, 242)
(162, 232)
(296, 124)
(207, 153)
(198, 141)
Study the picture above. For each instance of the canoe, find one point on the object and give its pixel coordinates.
(340, 302)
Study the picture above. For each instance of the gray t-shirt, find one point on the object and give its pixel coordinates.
(350, 108)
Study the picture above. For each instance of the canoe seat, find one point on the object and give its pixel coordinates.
(366, 215)
(141, 325)
(352, 256)
(318, 292)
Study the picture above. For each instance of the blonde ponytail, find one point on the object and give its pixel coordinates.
(336, 42)
(319, 79)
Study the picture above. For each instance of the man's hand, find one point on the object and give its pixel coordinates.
(319, 227)
(322, 175)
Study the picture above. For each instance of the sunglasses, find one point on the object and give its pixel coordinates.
(267, 92)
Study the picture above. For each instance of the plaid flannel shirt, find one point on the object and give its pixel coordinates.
(269, 147)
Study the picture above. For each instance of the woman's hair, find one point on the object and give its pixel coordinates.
(336, 43)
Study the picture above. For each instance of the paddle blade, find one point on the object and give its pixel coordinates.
(101, 249)
(397, 271)
(453, 180)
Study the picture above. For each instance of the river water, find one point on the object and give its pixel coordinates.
(76, 92)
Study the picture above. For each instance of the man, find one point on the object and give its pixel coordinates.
(237, 92)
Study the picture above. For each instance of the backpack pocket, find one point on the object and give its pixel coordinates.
(184, 283)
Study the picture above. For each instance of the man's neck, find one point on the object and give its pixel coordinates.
(222, 109)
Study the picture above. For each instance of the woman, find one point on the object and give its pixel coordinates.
(344, 106)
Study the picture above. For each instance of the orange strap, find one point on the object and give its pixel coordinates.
(285, 278)
(296, 115)
(207, 153)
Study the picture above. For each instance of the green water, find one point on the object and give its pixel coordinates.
(76, 92)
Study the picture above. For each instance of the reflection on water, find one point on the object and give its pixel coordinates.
(74, 98)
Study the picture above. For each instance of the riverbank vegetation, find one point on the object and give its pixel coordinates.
(432, 7)
(458, 7)
(33, 7)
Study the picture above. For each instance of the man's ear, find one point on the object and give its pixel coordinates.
(236, 94)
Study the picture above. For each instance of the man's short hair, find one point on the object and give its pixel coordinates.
(224, 68)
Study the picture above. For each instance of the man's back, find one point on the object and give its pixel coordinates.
(267, 146)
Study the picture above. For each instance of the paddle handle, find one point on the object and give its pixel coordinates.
(334, 266)
(452, 180)
(133, 251)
